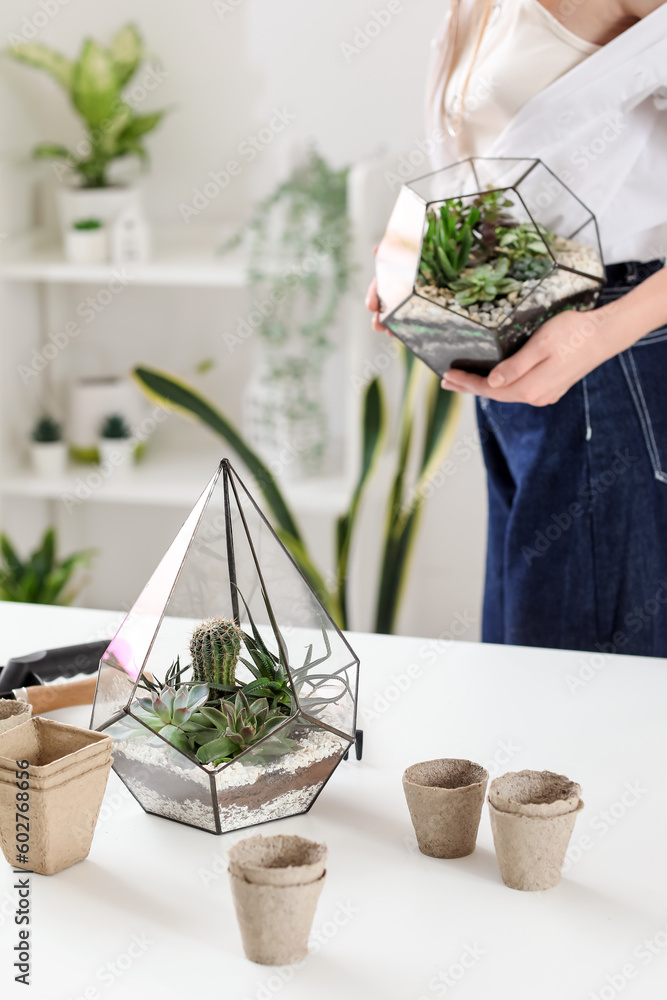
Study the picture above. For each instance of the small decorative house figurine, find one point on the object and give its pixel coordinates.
(229, 692)
(479, 255)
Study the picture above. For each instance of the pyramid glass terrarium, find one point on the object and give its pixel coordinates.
(477, 256)
(229, 692)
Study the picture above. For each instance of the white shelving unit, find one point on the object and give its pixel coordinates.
(37, 289)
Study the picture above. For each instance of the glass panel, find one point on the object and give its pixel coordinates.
(442, 339)
(451, 182)
(164, 780)
(226, 563)
(270, 782)
(551, 203)
(397, 257)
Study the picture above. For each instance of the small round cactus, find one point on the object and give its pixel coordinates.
(215, 648)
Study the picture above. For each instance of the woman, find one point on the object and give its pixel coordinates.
(574, 425)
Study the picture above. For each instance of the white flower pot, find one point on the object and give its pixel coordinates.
(86, 246)
(117, 455)
(49, 459)
(106, 204)
(93, 399)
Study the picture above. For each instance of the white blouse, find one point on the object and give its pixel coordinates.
(601, 126)
(524, 49)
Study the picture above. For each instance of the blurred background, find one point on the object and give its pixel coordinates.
(227, 243)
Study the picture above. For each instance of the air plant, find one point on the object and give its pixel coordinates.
(484, 284)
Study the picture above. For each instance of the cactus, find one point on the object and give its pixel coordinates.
(215, 647)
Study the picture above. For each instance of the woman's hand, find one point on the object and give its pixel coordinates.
(565, 349)
(372, 303)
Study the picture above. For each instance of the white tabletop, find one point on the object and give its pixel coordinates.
(150, 912)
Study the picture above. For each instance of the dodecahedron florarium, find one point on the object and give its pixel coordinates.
(229, 692)
(478, 255)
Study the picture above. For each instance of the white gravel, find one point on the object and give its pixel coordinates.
(558, 285)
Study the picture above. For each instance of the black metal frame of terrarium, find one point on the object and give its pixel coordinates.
(226, 556)
(445, 336)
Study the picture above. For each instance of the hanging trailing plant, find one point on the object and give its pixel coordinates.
(303, 224)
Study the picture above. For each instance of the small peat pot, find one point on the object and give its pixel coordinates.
(13, 713)
(445, 799)
(276, 883)
(59, 791)
(532, 818)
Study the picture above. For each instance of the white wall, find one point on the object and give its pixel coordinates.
(227, 66)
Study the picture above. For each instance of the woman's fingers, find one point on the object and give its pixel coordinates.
(372, 302)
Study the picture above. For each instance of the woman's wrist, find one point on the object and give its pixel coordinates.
(635, 314)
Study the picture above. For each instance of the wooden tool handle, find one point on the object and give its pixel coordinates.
(48, 697)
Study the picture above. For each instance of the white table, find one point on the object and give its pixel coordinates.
(150, 912)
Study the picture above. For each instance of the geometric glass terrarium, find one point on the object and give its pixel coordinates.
(478, 255)
(260, 702)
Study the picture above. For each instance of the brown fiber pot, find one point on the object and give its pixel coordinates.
(276, 883)
(445, 799)
(13, 713)
(532, 818)
(67, 776)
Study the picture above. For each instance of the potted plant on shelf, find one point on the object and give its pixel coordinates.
(115, 445)
(95, 83)
(41, 578)
(86, 242)
(48, 451)
(221, 717)
(477, 256)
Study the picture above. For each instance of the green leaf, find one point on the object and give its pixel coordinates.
(41, 57)
(127, 52)
(168, 389)
(95, 90)
(374, 423)
(52, 151)
(140, 125)
(216, 749)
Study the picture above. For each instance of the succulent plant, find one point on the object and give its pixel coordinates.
(484, 284)
(525, 240)
(447, 242)
(84, 225)
(46, 431)
(169, 712)
(114, 428)
(237, 725)
(492, 205)
(529, 268)
(215, 647)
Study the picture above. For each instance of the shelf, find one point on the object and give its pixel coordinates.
(174, 479)
(181, 257)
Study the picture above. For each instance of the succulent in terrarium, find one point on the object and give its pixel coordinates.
(215, 647)
(169, 711)
(525, 240)
(447, 243)
(484, 283)
(529, 268)
(226, 732)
